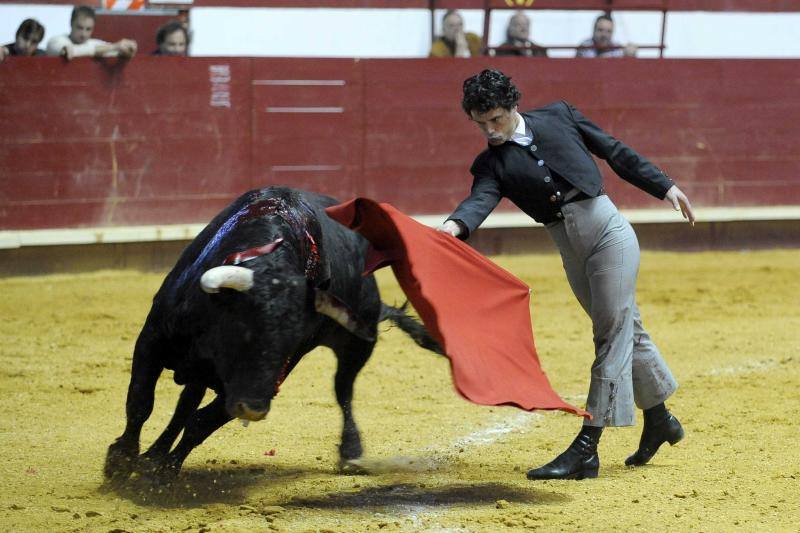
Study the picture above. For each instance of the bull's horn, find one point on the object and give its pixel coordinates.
(227, 277)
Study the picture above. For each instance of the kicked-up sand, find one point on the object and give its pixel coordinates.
(728, 324)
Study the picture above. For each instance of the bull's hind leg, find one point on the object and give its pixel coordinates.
(122, 454)
(200, 425)
(190, 399)
(351, 354)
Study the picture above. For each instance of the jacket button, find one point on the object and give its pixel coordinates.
(547, 179)
(560, 214)
(533, 148)
(540, 162)
(553, 198)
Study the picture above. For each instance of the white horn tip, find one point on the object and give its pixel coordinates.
(227, 276)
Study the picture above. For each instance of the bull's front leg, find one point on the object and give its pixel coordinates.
(189, 400)
(122, 454)
(200, 425)
(351, 355)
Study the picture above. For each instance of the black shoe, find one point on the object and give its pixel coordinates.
(579, 461)
(653, 436)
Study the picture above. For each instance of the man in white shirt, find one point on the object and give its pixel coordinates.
(602, 44)
(79, 41)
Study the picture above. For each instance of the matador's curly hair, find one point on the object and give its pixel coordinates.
(489, 90)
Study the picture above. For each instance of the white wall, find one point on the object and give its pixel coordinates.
(406, 32)
(310, 32)
(55, 20)
(766, 35)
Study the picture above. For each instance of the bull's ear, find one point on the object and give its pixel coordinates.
(329, 305)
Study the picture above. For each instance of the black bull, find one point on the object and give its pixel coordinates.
(269, 279)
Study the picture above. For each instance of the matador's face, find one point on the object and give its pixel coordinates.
(497, 124)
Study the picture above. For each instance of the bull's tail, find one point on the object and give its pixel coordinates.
(411, 326)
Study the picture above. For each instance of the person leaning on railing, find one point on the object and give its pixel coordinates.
(26, 42)
(517, 42)
(79, 42)
(172, 39)
(602, 44)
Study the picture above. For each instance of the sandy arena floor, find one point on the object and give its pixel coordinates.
(729, 324)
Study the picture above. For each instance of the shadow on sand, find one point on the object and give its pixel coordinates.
(196, 487)
(413, 495)
(199, 486)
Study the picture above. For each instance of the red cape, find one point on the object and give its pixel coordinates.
(478, 312)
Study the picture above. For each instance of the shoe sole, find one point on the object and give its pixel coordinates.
(588, 474)
(577, 476)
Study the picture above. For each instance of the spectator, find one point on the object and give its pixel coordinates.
(519, 26)
(601, 44)
(79, 41)
(29, 34)
(172, 39)
(454, 42)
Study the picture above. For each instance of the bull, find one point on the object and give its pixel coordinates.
(268, 280)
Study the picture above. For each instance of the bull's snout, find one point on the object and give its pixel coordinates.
(248, 409)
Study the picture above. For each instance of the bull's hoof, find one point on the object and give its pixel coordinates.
(352, 467)
(120, 461)
(158, 472)
(148, 465)
(351, 447)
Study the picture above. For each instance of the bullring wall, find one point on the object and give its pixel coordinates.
(149, 150)
(171, 140)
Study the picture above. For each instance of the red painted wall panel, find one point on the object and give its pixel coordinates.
(171, 140)
(308, 124)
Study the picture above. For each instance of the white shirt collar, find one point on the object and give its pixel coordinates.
(521, 135)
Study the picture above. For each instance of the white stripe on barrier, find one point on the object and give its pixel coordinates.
(305, 168)
(122, 234)
(305, 110)
(299, 82)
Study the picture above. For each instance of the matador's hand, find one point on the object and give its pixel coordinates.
(451, 227)
(681, 203)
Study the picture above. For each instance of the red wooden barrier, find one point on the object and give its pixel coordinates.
(171, 140)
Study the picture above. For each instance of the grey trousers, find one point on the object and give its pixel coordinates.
(600, 254)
